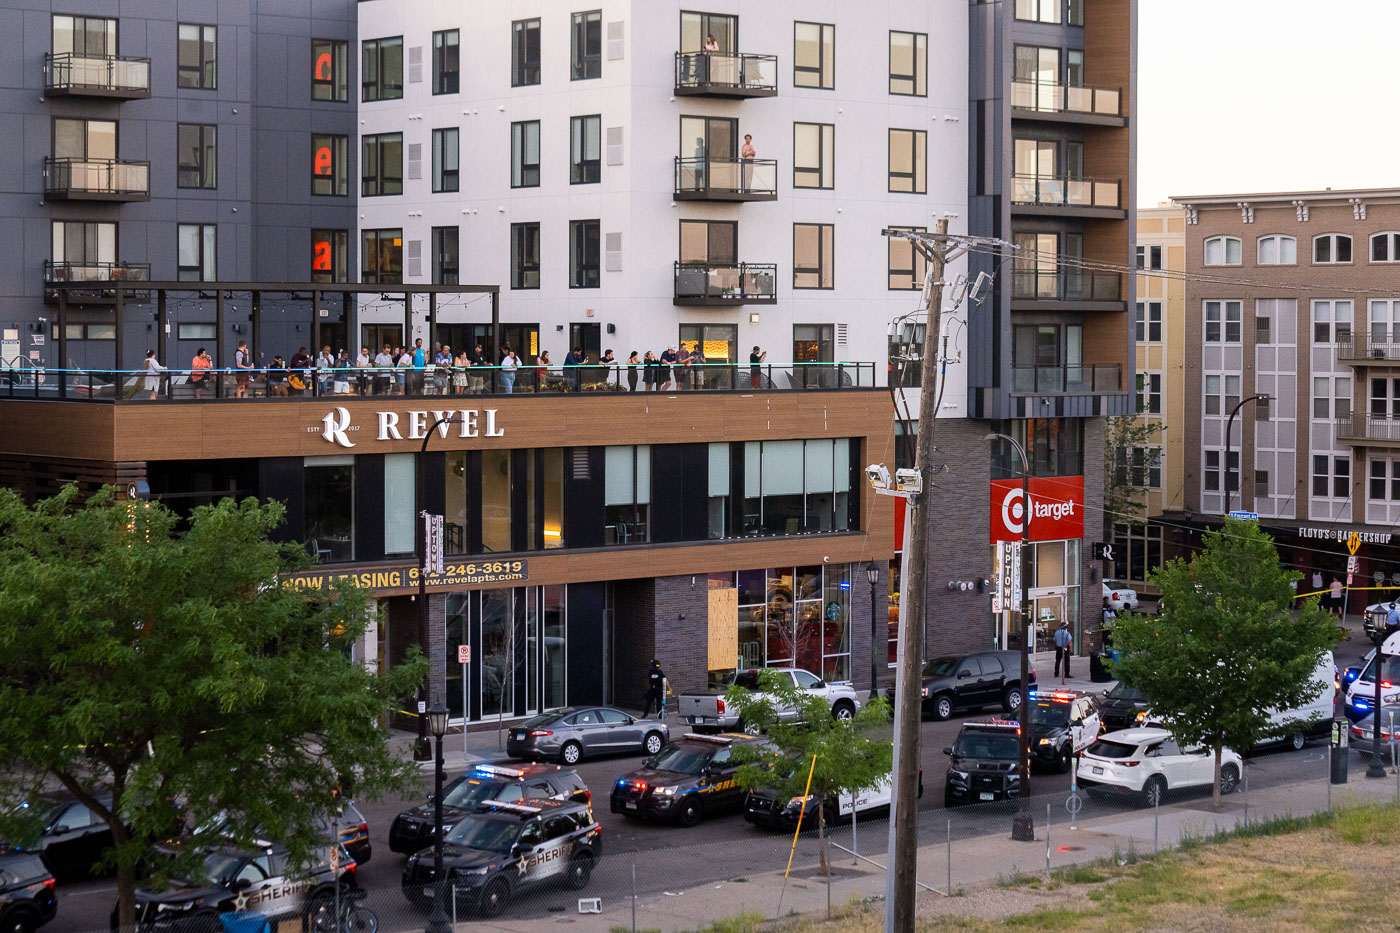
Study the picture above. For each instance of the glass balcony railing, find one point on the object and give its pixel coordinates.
(97, 179)
(1062, 285)
(726, 283)
(1085, 379)
(93, 281)
(101, 75)
(1051, 97)
(726, 179)
(1046, 191)
(726, 74)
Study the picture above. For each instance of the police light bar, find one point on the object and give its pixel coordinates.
(513, 807)
(1061, 696)
(499, 771)
(712, 739)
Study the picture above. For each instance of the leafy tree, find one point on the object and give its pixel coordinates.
(851, 755)
(1228, 645)
(156, 670)
(1123, 501)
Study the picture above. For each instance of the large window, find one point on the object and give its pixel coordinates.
(329, 68)
(1139, 467)
(381, 256)
(197, 247)
(1332, 248)
(906, 264)
(1385, 247)
(1223, 251)
(586, 45)
(329, 259)
(1055, 448)
(381, 69)
(1149, 322)
(1383, 320)
(446, 61)
(908, 161)
(909, 63)
(330, 168)
(400, 525)
(1277, 250)
(1210, 471)
(813, 255)
(1331, 398)
(1137, 551)
(84, 36)
(84, 243)
(814, 55)
(525, 255)
(813, 155)
(1148, 257)
(525, 154)
(1039, 11)
(1331, 321)
(627, 494)
(328, 496)
(196, 57)
(381, 165)
(445, 159)
(795, 487)
(525, 52)
(1331, 477)
(445, 256)
(794, 617)
(197, 155)
(496, 500)
(1384, 481)
(1222, 321)
(585, 150)
(1221, 394)
(709, 241)
(583, 254)
(1149, 393)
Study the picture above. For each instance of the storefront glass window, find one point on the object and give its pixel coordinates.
(398, 504)
(495, 500)
(457, 627)
(779, 649)
(752, 609)
(796, 487)
(627, 495)
(555, 645)
(497, 654)
(553, 467)
(836, 623)
(794, 617)
(329, 497)
(719, 490)
(455, 517)
(810, 619)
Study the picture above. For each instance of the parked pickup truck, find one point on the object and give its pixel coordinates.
(710, 711)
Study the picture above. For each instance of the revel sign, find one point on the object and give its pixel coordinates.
(1056, 509)
(414, 425)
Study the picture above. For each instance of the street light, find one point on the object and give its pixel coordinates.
(1023, 824)
(438, 922)
(1375, 769)
(1229, 426)
(872, 574)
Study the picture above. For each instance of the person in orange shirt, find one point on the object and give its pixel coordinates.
(199, 371)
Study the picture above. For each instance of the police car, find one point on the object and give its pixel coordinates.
(1061, 723)
(413, 829)
(502, 848)
(982, 763)
(684, 782)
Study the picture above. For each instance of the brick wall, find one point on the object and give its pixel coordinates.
(634, 639)
(682, 615)
(959, 545)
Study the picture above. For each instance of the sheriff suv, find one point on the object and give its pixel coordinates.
(503, 848)
(686, 781)
(412, 829)
(982, 763)
(26, 893)
(1061, 724)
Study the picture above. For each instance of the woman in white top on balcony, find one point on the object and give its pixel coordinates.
(153, 371)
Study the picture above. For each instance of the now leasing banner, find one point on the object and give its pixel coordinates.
(1056, 509)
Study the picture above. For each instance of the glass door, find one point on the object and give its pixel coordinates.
(1049, 612)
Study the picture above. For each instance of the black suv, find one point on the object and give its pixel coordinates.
(73, 838)
(684, 781)
(1119, 708)
(350, 825)
(983, 764)
(412, 829)
(26, 893)
(991, 678)
(502, 847)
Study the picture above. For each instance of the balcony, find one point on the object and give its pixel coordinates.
(94, 282)
(97, 180)
(1058, 288)
(116, 76)
(1086, 379)
(725, 284)
(1066, 103)
(1370, 430)
(720, 74)
(1375, 348)
(1066, 197)
(726, 180)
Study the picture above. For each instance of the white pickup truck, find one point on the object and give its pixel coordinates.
(710, 711)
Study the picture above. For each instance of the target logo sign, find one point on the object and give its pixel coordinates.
(1055, 512)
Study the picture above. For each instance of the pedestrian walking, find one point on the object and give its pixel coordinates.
(153, 373)
(656, 688)
(1064, 647)
(243, 362)
(634, 363)
(1338, 605)
(199, 369)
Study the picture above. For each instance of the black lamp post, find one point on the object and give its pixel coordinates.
(438, 922)
(1229, 427)
(1375, 769)
(872, 573)
(420, 495)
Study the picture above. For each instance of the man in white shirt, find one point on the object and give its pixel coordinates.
(384, 359)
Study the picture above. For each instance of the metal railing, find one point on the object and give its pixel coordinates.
(1085, 379)
(287, 382)
(1374, 346)
(114, 74)
(112, 177)
(726, 282)
(734, 73)
(1066, 285)
(727, 179)
(1064, 191)
(1053, 97)
(1369, 427)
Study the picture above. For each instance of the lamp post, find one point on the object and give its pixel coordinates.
(1229, 427)
(1374, 769)
(438, 921)
(1023, 824)
(420, 749)
(872, 574)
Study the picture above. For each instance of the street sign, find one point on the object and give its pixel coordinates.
(433, 553)
(1351, 568)
(464, 654)
(1247, 516)
(1354, 543)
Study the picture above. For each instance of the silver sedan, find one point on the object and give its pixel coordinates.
(571, 733)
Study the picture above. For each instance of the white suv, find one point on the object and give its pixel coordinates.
(1119, 596)
(1149, 763)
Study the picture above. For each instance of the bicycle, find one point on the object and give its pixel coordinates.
(353, 917)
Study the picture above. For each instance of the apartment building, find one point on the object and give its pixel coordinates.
(1293, 369)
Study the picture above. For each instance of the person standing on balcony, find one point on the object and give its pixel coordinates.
(667, 374)
(199, 368)
(633, 363)
(682, 367)
(746, 157)
(325, 366)
(510, 364)
(755, 372)
(242, 361)
(153, 373)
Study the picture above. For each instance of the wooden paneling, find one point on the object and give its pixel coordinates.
(75, 430)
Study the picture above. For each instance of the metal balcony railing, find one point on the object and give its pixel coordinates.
(1053, 97)
(726, 283)
(96, 278)
(1377, 345)
(97, 179)
(1085, 379)
(103, 75)
(1066, 285)
(1368, 427)
(726, 179)
(727, 74)
(1047, 191)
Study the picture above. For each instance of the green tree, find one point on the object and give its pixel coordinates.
(156, 670)
(851, 755)
(1228, 646)
(1123, 501)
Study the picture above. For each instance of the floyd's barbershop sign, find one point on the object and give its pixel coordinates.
(401, 577)
(1341, 534)
(337, 426)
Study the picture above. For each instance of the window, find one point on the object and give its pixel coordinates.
(1263, 329)
(1223, 251)
(709, 241)
(444, 255)
(196, 155)
(1149, 257)
(1331, 321)
(381, 256)
(1222, 394)
(1211, 474)
(797, 487)
(84, 243)
(525, 154)
(196, 63)
(446, 61)
(1149, 322)
(812, 343)
(1263, 410)
(381, 71)
(1039, 11)
(381, 165)
(84, 36)
(1149, 393)
(586, 45)
(85, 140)
(1261, 484)
(1055, 447)
(583, 254)
(1379, 488)
(627, 494)
(909, 63)
(1222, 320)
(1332, 248)
(1385, 398)
(445, 159)
(1332, 398)
(814, 55)
(525, 52)
(328, 255)
(585, 143)
(330, 172)
(813, 155)
(196, 332)
(906, 264)
(1277, 250)
(525, 255)
(1385, 247)
(196, 247)
(330, 59)
(1139, 466)
(1383, 319)
(328, 506)
(1074, 12)
(1331, 477)
(813, 255)
(908, 156)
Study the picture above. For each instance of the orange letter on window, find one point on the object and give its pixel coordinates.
(322, 165)
(323, 66)
(321, 262)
